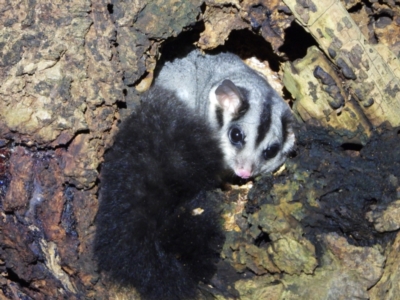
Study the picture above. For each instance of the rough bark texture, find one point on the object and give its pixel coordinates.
(325, 227)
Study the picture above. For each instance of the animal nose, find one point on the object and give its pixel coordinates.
(243, 173)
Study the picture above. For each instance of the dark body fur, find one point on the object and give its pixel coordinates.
(163, 160)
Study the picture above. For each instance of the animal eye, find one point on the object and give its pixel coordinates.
(271, 151)
(236, 136)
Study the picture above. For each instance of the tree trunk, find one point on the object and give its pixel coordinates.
(326, 227)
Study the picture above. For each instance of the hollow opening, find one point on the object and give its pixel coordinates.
(181, 45)
(243, 43)
(297, 41)
(246, 44)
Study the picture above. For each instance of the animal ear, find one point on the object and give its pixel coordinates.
(229, 96)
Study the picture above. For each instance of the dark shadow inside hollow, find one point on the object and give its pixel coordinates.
(297, 41)
(243, 43)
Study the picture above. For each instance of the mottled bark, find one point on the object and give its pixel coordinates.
(325, 227)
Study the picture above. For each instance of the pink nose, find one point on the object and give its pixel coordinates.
(243, 173)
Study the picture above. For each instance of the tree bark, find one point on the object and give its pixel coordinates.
(322, 228)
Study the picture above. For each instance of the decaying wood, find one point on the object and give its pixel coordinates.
(323, 227)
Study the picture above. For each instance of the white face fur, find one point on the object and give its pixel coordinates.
(255, 130)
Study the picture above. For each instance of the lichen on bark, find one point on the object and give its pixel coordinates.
(320, 228)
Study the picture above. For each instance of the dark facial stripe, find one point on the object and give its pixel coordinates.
(219, 113)
(265, 122)
(286, 120)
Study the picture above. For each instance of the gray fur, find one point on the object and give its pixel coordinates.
(195, 80)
